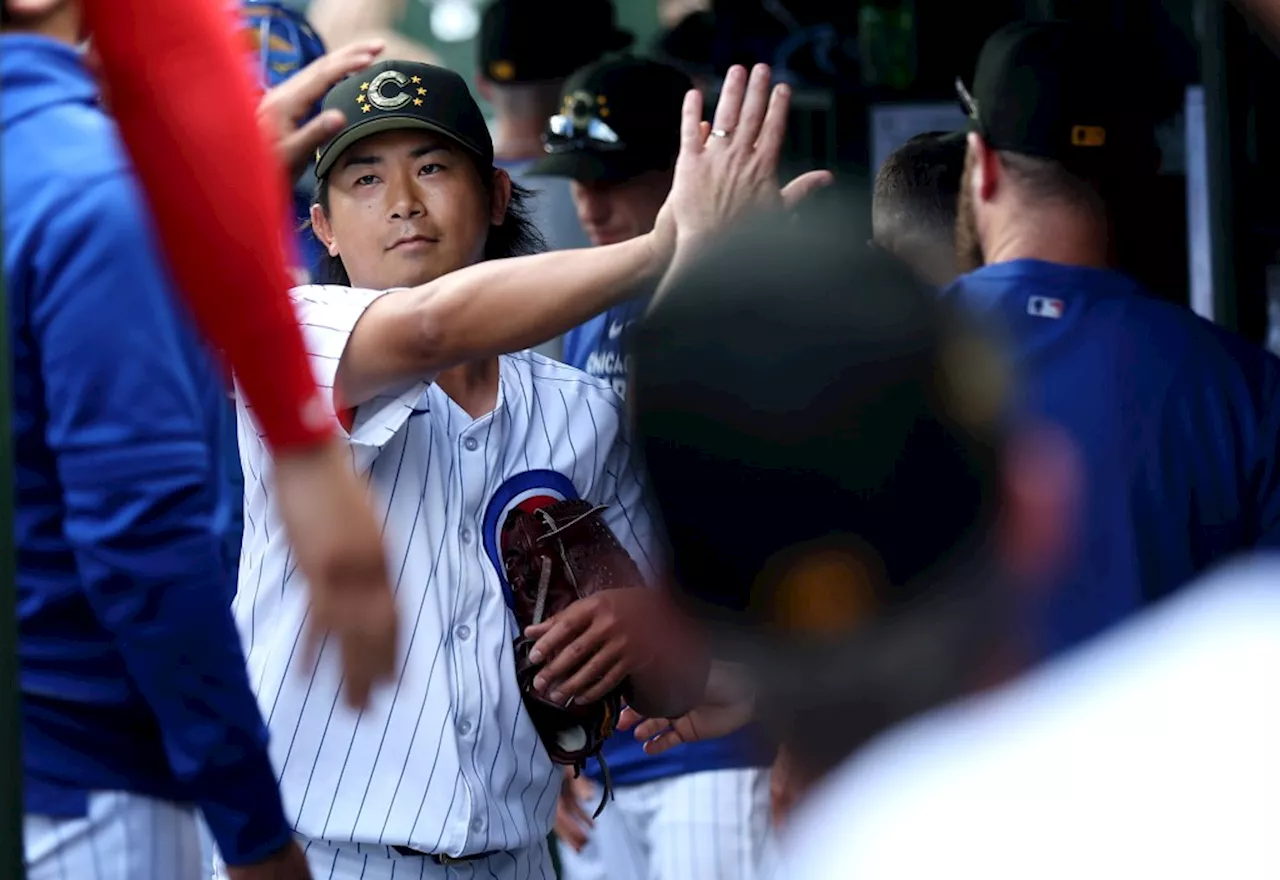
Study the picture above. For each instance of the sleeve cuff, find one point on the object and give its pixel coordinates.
(242, 807)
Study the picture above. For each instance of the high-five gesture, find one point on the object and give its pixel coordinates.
(730, 168)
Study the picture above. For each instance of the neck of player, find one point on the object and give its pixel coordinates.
(517, 138)
(473, 386)
(1052, 236)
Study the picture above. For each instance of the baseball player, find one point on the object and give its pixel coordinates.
(443, 773)
(615, 137)
(137, 712)
(1054, 151)
(915, 202)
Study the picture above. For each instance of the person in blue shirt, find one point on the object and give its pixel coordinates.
(1177, 421)
(616, 138)
(137, 710)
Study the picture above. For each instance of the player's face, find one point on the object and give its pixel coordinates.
(614, 212)
(406, 207)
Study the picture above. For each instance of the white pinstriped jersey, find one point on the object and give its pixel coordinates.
(445, 759)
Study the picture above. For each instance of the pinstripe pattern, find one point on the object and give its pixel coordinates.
(124, 837)
(698, 826)
(445, 760)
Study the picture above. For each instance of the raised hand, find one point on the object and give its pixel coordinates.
(282, 109)
(730, 168)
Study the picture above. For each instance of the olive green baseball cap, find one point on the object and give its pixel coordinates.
(396, 95)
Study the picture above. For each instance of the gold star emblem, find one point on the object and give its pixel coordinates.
(365, 108)
(364, 87)
(417, 102)
(415, 79)
(422, 91)
(360, 99)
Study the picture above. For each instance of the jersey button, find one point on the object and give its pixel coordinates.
(464, 728)
(464, 632)
(471, 444)
(477, 824)
(466, 536)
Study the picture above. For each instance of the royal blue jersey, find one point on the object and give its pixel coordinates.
(1176, 422)
(598, 347)
(131, 672)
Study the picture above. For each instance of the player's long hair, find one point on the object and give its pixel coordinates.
(518, 236)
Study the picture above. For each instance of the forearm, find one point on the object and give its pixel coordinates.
(224, 243)
(489, 309)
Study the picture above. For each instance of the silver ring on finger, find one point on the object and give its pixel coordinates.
(721, 133)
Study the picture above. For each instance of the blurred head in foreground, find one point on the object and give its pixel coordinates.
(846, 502)
(913, 210)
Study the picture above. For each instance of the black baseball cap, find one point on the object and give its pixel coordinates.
(1059, 90)
(527, 41)
(618, 118)
(393, 95)
(794, 393)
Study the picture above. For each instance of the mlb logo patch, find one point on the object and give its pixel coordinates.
(1045, 307)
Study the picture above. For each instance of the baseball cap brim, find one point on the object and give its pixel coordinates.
(388, 122)
(590, 166)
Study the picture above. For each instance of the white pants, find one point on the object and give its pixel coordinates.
(124, 837)
(366, 861)
(699, 826)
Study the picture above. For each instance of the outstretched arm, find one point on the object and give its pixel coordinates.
(504, 305)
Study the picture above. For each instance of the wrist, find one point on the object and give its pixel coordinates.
(658, 252)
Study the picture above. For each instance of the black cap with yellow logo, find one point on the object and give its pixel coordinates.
(617, 119)
(394, 95)
(1059, 90)
(529, 41)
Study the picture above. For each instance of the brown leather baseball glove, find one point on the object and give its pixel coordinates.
(555, 556)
